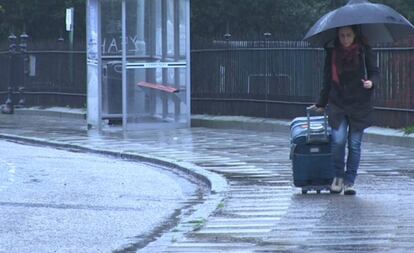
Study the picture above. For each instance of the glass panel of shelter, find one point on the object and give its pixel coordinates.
(156, 67)
(111, 32)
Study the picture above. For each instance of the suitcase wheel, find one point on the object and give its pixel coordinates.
(318, 191)
(304, 191)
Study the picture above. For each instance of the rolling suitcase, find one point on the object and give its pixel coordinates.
(311, 152)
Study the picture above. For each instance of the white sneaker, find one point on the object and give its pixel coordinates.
(349, 189)
(337, 185)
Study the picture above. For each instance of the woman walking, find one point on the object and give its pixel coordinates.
(350, 75)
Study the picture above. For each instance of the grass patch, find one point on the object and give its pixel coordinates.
(409, 130)
(197, 224)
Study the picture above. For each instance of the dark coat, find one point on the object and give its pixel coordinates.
(350, 98)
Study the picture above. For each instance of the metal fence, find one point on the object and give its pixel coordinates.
(274, 79)
(55, 76)
(278, 79)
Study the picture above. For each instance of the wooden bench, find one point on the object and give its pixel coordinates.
(157, 86)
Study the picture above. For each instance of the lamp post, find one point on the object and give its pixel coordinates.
(8, 107)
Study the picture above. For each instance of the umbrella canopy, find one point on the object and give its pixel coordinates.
(378, 23)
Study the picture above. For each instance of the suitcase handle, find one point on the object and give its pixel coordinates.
(325, 126)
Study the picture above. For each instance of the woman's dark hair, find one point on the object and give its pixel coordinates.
(359, 38)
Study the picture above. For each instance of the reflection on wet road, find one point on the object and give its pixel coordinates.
(262, 212)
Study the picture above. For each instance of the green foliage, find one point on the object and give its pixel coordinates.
(285, 19)
(409, 130)
(39, 18)
(405, 7)
(198, 223)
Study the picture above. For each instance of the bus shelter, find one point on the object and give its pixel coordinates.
(138, 63)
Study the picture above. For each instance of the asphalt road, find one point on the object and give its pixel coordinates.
(60, 201)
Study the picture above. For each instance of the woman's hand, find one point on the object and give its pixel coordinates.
(367, 83)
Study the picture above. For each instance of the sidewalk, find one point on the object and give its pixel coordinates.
(375, 134)
(255, 208)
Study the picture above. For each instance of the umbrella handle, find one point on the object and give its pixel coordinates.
(365, 65)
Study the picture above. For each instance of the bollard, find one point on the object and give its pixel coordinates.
(8, 107)
(22, 100)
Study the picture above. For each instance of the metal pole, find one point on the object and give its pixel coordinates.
(99, 63)
(164, 54)
(25, 65)
(227, 37)
(8, 107)
(188, 59)
(61, 72)
(124, 69)
(267, 37)
(71, 36)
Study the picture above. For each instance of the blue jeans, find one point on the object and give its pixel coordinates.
(340, 137)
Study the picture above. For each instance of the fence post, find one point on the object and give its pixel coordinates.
(61, 75)
(227, 37)
(8, 105)
(60, 43)
(267, 37)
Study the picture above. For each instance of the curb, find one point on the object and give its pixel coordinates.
(52, 113)
(215, 182)
(218, 185)
(241, 123)
(389, 136)
(373, 134)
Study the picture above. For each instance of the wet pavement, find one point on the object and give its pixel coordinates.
(54, 200)
(259, 210)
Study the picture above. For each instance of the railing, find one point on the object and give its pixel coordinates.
(50, 77)
(259, 78)
(278, 79)
(59, 78)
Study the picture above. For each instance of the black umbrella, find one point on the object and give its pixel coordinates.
(378, 23)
